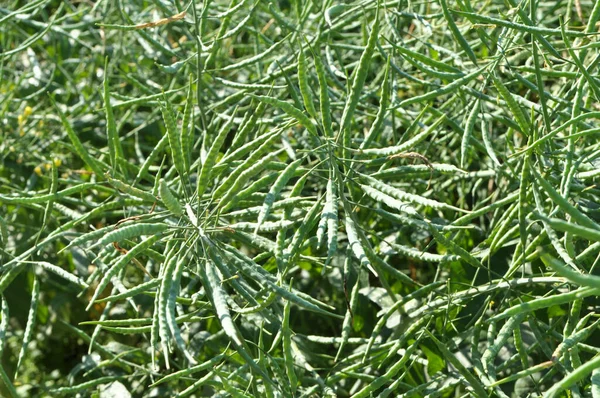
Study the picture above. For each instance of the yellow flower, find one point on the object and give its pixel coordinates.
(27, 111)
(57, 162)
(38, 170)
(20, 119)
(48, 166)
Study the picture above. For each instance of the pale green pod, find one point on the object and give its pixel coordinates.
(129, 189)
(211, 157)
(377, 125)
(288, 356)
(418, 99)
(291, 110)
(248, 163)
(187, 132)
(169, 199)
(360, 75)
(252, 60)
(73, 390)
(114, 143)
(119, 264)
(131, 231)
(456, 33)
(31, 317)
(3, 231)
(276, 188)
(141, 288)
(305, 85)
(406, 146)
(174, 136)
(324, 105)
(469, 125)
(4, 312)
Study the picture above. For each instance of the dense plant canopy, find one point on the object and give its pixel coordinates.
(299, 198)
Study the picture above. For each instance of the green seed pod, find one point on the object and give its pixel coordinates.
(169, 199)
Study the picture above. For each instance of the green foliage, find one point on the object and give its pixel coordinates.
(299, 198)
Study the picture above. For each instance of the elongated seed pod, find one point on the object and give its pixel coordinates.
(171, 319)
(574, 339)
(291, 110)
(360, 74)
(3, 324)
(247, 86)
(233, 31)
(324, 105)
(348, 317)
(219, 298)
(245, 129)
(288, 356)
(245, 149)
(189, 370)
(456, 33)
(174, 137)
(187, 133)
(114, 143)
(130, 190)
(300, 234)
(133, 291)
(211, 157)
(402, 195)
(252, 270)
(419, 99)
(407, 145)
(304, 85)
(274, 191)
(331, 202)
(500, 339)
(53, 190)
(90, 236)
(160, 146)
(61, 272)
(523, 207)
(163, 298)
(249, 162)
(244, 177)
(31, 317)
(169, 199)
(513, 106)
(469, 125)
(121, 262)
(377, 125)
(154, 330)
(254, 59)
(73, 390)
(3, 231)
(131, 231)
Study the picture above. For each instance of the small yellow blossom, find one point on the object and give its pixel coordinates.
(27, 111)
(38, 170)
(21, 120)
(57, 162)
(48, 166)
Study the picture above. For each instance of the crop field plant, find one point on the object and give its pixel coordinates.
(299, 198)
